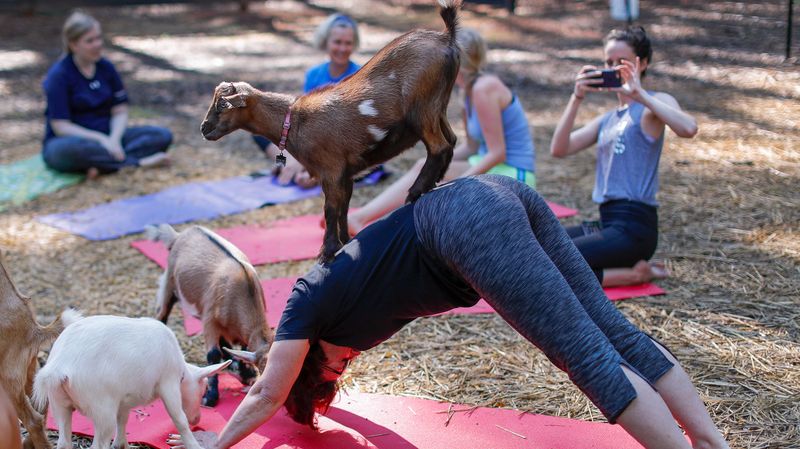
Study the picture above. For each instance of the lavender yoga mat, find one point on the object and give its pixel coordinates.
(183, 203)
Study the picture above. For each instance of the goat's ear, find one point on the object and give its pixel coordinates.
(237, 100)
(210, 370)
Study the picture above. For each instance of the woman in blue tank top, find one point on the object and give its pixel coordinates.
(498, 135)
(629, 141)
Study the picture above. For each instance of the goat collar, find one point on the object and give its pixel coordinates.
(280, 159)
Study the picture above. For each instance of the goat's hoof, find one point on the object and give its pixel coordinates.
(210, 399)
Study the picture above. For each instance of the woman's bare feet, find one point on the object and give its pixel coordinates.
(155, 160)
(640, 273)
(647, 271)
(354, 224)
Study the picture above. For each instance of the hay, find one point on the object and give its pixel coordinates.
(729, 216)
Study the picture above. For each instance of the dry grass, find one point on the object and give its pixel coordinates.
(729, 216)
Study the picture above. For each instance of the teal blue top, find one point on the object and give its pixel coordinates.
(520, 152)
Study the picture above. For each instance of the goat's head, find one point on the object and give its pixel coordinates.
(193, 387)
(225, 113)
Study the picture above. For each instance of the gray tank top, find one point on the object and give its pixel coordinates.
(627, 158)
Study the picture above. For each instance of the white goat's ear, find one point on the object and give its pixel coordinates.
(237, 100)
(245, 356)
(210, 370)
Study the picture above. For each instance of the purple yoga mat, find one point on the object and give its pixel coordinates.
(183, 203)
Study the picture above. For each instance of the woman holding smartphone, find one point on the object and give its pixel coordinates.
(629, 142)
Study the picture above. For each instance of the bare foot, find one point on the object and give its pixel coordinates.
(354, 225)
(647, 271)
(155, 160)
(92, 173)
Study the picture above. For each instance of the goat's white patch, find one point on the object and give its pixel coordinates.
(366, 108)
(376, 132)
(392, 76)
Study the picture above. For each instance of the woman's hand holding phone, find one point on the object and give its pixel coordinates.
(587, 81)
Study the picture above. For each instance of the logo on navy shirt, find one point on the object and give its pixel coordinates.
(94, 85)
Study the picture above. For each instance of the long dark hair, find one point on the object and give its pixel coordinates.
(310, 393)
(636, 38)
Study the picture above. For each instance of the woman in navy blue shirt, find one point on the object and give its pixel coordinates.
(87, 111)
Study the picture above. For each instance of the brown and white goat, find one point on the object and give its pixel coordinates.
(21, 339)
(216, 278)
(396, 99)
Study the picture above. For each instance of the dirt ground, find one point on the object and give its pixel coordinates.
(730, 206)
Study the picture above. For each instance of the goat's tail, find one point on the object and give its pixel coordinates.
(47, 380)
(70, 316)
(161, 233)
(449, 13)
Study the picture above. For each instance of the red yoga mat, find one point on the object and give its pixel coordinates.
(276, 293)
(372, 421)
(297, 238)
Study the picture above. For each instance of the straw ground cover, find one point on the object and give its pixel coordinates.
(729, 201)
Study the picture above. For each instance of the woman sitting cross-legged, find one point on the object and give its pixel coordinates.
(498, 135)
(629, 142)
(87, 112)
(486, 236)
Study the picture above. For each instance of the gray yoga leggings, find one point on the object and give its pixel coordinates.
(501, 237)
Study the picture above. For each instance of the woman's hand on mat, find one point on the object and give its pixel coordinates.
(206, 440)
(295, 172)
(629, 71)
(584, 81)
(114, 148)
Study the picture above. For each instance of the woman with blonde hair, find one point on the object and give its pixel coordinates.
(87, 112)
(498, 135)
(338, 37)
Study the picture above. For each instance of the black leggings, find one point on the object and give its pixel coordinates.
(500, 236)
(629, 234)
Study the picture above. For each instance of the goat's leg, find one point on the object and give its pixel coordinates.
(121, 438)
(346, 183)
(171, 397)
(165, 298)
(211, 397)
(33, 422)
(104, 425)
(63, 416)
(334, 204)
(439, 140)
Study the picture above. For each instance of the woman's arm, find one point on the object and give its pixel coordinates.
(269, 392)
(565, 141)
(487, 96)
(662, 109)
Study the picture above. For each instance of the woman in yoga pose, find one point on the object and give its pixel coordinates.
(629, 142)
(486, 236)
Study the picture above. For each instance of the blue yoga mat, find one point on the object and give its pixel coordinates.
(184, 203)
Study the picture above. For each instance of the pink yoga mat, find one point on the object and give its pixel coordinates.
(361, 420)
(276, 294)
(297, 238)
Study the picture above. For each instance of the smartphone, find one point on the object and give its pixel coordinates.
(611, 78)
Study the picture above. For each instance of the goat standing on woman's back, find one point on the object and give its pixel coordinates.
(398, 98)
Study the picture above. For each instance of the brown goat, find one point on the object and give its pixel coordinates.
(396, 99)
(213, 276)
(19, 346)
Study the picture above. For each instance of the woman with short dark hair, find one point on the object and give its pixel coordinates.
(486, 236)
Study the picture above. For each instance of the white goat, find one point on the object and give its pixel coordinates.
(103, 366)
